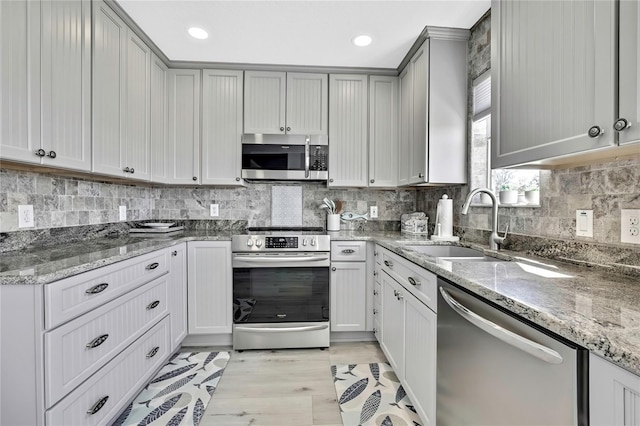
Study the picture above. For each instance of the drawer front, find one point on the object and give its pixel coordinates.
(120, 381)
(418, 281)
(347, 251)
(76, 350)
(72, 297)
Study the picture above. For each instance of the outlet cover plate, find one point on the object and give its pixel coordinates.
(584, 223)
(630, 226)
(122, 213)
(373, 212)
(214, 210)
(25, 216)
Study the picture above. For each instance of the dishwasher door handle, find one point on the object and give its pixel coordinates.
(282, 329)
(537, 350)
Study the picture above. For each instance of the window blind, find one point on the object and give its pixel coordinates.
(482, 96)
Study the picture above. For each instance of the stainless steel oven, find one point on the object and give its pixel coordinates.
(280, 291)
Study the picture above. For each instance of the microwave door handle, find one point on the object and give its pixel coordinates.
(306, 157)
(532, 348)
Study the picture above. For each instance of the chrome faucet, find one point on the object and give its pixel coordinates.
(494, 239)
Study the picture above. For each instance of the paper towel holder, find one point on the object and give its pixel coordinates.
(437, 235)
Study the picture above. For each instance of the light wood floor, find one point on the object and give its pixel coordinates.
(283, 387)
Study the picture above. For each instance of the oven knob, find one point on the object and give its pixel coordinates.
(249, 242)
(258, 243)
(304, 242)
(313, 241)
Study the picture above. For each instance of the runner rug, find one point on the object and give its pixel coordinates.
(179, 393)
(371, 394)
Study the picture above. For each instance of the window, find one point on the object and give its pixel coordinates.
(524, 184)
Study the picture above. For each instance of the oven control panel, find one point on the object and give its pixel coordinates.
(281, 242)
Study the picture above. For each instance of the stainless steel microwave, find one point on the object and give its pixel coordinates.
(285, 157)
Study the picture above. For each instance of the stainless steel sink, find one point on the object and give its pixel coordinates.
(452, 253)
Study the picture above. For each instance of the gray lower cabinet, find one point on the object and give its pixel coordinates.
(44, 101)
(614, 394)
(349, 304)
(383, 131)
(64, 347)
(221, 150)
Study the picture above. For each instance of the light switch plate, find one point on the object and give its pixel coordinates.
(214, 210)
(584, 223)
(373, 212)
(122, 212)
(25, 216)
(630, 226)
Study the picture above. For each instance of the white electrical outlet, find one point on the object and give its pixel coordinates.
(214, 210)
(122, 212)
(373, 212)
(584, 223)
(630, 226)
(25, 216)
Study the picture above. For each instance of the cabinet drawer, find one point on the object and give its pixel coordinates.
(346, 251)
(418, 281)
(72, 297)
(119, 380)
(76, 350)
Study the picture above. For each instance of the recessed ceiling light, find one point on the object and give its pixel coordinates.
(362, 40)
(198, 33)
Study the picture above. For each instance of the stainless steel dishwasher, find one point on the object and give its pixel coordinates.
(494, 369)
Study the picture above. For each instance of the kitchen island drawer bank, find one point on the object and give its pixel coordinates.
(55, 371)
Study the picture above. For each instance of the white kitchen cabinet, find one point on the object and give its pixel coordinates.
(393, 324)
(553, 83)
(629, 71)
(348, 296)
(158, 121)
(285, 103)
(348, 112)
(383, 131)
(183, 161)
(45, 101)
(178, 294)
(221, 152)
(209, 287)
(614, 394)
(433, 111)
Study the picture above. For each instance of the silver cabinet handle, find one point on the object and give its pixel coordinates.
(195, 178)
(595, 131)
(375, 312)
(282, 330)
(413, 281)
(420, 175)
(153, 305)
(153, 352)
(174, 253)
(132, 170)
(153, 265)
(333, 269)
(98, 405)
(288, 129)
(97, 341)
(395, 293)
(348, 251)
(99, 288)
(621, 124)
(52, 154)
(400, 296)
(126, 170)
(375, 254)
(375, 292)
(237, 179)
(282, 129)
(388, 263)
(532, 348)
(375, 273)
(41, 152)
(330, 180)
(372, 181)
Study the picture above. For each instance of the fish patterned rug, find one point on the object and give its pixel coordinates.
(371, 394)
(179, 393)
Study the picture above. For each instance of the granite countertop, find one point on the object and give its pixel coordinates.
(596, 309)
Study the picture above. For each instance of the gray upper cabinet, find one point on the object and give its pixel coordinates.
(158, 128)
(348, 112)
(433, 111)
(45, 101)
(183, 160)
(554, 83)
(279, 103)
(383, 131)
(629, 69)
(221, 152)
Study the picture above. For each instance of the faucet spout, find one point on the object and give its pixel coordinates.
(494, 239)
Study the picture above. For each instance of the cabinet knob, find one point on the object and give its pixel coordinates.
(400, 296)
(237, 179)
(375, 312)
(621, 124)
(595, 131)
(126, 170)
(132, 170)
(282, 129)
(375, 254)
(333, 269)
(372, 181)
(375, 274)
(52, 154)
(40, 152)
(288, 129)
(375, 292)
(395, 293)
(420, 175)
(195, 178)
(330, 180)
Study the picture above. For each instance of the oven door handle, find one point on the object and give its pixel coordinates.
(283, 329)
(280, 259)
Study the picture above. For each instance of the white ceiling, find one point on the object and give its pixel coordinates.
(311, 33)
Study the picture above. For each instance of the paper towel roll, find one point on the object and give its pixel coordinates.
(445, 216)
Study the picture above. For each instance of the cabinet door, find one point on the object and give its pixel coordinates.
(183, 92)
(348, 296)
(420, 358)
(553, 81)
(137, 140)
(348, 133)
(383, 131)
(178, 294)
(221, 127)
(629, 68)
(393, 324)
(20, 80)
(109, 48)
(614, 394)
(66, 83)
(264, 102)
(158, 125)
(406, 124)
(307, 102)
(420, 114)
(209, 287)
